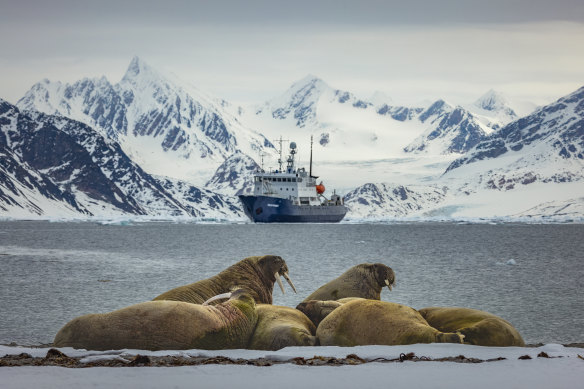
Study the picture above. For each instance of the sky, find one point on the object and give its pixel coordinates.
(252, 51)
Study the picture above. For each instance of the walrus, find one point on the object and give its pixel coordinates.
(317, 310)
(280, 327)
(165, 325)
(478, 327)
(368, 322)
(254, 274)
(364, 280)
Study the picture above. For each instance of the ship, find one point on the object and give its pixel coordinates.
(291, 195)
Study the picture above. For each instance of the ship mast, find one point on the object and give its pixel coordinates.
(280, 161)
(310, 171)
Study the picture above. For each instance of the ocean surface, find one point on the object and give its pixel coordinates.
(531, 275)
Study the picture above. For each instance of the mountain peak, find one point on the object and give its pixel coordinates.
(137, 67)
(134, 67)
(492, 100)
(308, 80)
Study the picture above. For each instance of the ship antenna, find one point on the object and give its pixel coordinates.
(310, 172)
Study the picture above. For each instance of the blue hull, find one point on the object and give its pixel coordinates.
(264, 209)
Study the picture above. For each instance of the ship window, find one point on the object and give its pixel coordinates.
(279, 179)
(286, 188)
(289, 179)
(299, 179)
(294, 180)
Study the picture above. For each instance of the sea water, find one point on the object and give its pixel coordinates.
(531, 275)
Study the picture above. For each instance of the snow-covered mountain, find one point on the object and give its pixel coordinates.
(546, 146)
(166, 127)
(348, 127)
(23, 189)
(530, 170)
(496, 102)
(383, 201)
(566, 210)
(493, 109)
(299, 102)
(234, 176)
(148, 144)
(54, 166)
(449, 130)
(202, 203)
(399, 113)
(531, 166)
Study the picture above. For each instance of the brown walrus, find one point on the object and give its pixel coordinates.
(478, 327)
(280, 327)
(254, 274)
(364, 280)
(165, 325)
(369, 322)
(317, 310)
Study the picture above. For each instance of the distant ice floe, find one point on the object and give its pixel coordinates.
(510, 262)
(116, 223)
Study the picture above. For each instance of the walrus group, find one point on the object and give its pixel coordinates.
(346, 311)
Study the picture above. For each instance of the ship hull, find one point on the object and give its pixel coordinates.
(265, 209)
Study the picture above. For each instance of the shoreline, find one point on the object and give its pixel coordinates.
(11, 355)
(454, 366)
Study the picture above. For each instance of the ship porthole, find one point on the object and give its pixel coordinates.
(259, 210)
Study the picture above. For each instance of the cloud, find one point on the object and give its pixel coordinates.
(251, 51)
(299, 12)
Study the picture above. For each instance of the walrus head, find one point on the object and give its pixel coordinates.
(273, 267)
(384, 275)
(317, 310)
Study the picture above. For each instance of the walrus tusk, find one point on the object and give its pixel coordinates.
(218, 297)
(287, 277)
(388, 284)
(279, 282)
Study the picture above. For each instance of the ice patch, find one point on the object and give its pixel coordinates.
(116, 223)
(510, 262)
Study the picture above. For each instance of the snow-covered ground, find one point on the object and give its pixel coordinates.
(564, 369)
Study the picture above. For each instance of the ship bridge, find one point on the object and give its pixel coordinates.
(294, 185)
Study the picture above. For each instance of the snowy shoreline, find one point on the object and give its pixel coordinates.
(521, 367)
(130, 220)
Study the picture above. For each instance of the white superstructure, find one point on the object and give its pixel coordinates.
(290, 183)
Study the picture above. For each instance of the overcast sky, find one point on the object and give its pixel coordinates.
(251, 51)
